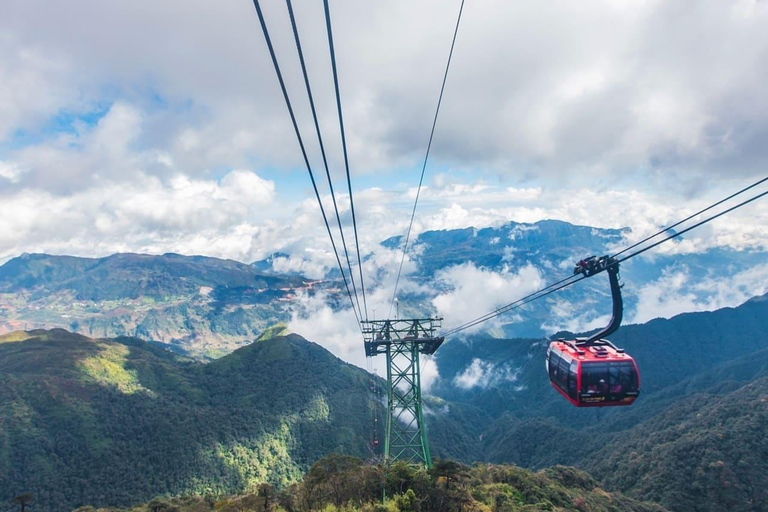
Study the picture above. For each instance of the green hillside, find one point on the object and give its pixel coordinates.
(700, 409)
(703, 454)
(117, 422)
(102, 422)
(342, 483)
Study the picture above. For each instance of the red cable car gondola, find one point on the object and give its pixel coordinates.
(593, 372)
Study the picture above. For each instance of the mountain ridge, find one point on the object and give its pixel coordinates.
(199, 305)
(80, 415)
(206, 307)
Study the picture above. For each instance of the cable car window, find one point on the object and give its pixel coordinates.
(562, 378)
(595, 378)
(554, 362)
(623, 378)
(572, 376)
(615, 383)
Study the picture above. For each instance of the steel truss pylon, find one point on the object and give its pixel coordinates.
(403, 341)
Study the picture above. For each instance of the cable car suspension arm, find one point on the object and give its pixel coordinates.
(594, 265)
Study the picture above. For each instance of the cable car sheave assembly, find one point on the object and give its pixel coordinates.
(588, 372)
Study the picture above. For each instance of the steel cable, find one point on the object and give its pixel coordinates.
(329, 30)
(303, 151)
(426, 158)
(322, 147)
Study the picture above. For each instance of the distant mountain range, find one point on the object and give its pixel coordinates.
(207, 307)
(553, 247)
(200, 306)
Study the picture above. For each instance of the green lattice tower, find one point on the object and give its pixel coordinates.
(403, 341)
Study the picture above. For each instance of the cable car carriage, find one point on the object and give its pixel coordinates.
(593, 372)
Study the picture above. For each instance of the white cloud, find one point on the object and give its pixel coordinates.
(484, 374)
(608, 87)
(151, 215)
(676, 291)
(34, 83)
(429, 373)
(666, 297)
(116, 130)
(313, 268)
(242, 185)
(472, 292)
(10, 171)
(520, 230)
(566, 316)
(337, 330)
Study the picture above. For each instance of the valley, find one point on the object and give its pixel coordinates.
(197, 306)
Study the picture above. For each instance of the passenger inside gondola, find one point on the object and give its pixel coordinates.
(614, 378)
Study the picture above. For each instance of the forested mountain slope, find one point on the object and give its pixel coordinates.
(706, 453)
(103, 422)
(499, 375)
(697, 436)
(341, 483)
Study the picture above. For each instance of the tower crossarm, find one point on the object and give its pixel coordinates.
(378, 335)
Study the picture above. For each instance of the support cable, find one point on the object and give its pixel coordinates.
(426, 158)
(568, 281)
(700, 223)
(346, 159)
(303, 151)
(692, 216)
(322, 147)
(559, 285)
(517, 304)
(664, 230)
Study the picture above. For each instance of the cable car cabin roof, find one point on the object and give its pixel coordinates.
(599, 353)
